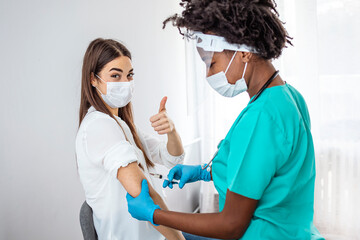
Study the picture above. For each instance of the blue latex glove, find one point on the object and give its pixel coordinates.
(186, 174)
(142, 207)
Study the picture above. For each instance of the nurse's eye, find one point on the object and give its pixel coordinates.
(212, 64)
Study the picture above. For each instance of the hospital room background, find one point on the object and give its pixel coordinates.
(41, 50)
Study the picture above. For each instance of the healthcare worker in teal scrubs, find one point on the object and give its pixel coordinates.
(264, 169)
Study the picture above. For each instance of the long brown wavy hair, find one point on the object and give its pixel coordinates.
(98, 54)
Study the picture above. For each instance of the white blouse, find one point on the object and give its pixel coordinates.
(101, 149)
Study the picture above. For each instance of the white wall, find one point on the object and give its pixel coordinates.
(41, 48)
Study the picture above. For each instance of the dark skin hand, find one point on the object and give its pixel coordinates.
(230, 223)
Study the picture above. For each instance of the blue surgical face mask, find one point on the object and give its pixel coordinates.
(220, 84)
(118, 94)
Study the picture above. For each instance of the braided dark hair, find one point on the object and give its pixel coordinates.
(255, 23)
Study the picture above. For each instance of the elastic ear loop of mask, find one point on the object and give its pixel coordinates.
(230, 62)
(244, 70)
(101, 80)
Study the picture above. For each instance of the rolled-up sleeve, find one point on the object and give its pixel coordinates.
(158, 152)
(168, 159)
(106, 145)
(120, 155)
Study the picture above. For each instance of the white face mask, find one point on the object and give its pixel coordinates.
(220, 83)
(118, 94)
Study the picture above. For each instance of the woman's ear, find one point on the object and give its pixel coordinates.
(93, 80)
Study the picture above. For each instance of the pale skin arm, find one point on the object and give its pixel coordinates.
(174, 144)
(164, 125)
(131, 177)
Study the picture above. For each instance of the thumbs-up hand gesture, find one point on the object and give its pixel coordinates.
(161, 121)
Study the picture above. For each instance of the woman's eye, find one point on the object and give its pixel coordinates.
(116, 76)
(131, 75)
(212, 64)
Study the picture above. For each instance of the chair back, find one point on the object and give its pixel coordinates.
(87, 223)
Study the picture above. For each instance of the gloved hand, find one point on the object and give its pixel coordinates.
(142, 207)
(186, 174)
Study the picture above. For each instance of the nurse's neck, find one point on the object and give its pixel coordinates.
(261, 71)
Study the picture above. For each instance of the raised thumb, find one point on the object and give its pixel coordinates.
(162, 104)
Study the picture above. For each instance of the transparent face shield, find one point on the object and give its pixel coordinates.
(206, 58)
(208, 46)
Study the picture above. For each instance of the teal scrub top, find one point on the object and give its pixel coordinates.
(268, 155)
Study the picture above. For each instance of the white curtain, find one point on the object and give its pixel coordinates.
(323, 66)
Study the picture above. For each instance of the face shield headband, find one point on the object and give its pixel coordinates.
(207, 45)
(213, 43)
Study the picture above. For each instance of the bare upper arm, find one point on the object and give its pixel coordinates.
(130, 177)
(238, 211)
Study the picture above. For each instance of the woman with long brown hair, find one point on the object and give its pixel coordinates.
(113, 155)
